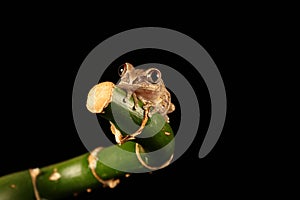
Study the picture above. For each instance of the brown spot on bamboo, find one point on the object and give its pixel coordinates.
(100, 96)
(13, 186)
(33, 174)
(92, 160)
(55, 175)
(127, 175)
(89, 190)
(167, 133)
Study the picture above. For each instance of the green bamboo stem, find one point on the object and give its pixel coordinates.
(93, 169)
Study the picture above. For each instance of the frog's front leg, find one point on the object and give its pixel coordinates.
(130, 94)
(135, 100)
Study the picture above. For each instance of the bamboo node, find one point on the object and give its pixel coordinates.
(92, 160)
(88, 190)
(33, 174)
(167, 133)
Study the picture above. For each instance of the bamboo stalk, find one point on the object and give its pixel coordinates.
(94, 169)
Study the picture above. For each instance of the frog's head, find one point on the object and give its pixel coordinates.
(136, 79)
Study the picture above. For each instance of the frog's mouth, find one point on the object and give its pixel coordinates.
(149, 93)
(127, 86)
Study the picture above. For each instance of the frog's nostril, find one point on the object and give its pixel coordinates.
(136, 81)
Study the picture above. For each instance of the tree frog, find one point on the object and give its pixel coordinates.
(147, 86)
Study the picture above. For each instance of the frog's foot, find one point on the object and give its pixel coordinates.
(152, 111)
(126, 100)
(155, 109)
(135, 99)
(125, 139)
(127, 97)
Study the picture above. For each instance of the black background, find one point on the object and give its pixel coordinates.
(41, 61)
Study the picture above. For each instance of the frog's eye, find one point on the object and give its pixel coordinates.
(122, 70)
(153, 76)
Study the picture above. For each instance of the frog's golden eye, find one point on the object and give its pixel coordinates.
(154, 76)
(122, 70)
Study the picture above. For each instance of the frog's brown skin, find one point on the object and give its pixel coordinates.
(147, 86)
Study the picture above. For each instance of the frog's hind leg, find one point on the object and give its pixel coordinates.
(143, 124)
(141, 128)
